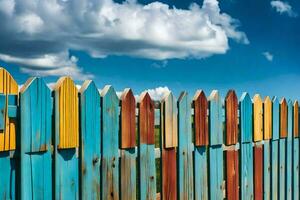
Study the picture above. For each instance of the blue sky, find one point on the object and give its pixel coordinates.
(245, 45)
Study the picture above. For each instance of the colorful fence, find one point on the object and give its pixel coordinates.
(70, 144)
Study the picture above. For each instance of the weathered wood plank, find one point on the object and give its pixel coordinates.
(169, 109)
(289, 152)
(168, 150)
(258, 118)
(296, 174)
(267, 118)
(128, 119)
(232, 174)
(275, 169)
(258, 172)
(201, 173)
(296, 119)
(66, 98)
(66, 139)
(128, 131)
(90, 141)
(267, 170)
(283, 118)
(147, 180)
(201, 119)
(36, 128)
(282, 168)
(247, 190)
(275, 119)
(246, 118)
(110, 144)
(231, 110)
(215, 119)
(7, 140)
(216, 175)
(185, 149)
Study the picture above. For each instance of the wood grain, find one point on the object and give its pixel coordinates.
(8, 136)
(267, 118)
(231, 118)
(66, 100)
(215, 119)
(232, 174)
(128, 139)
(246, 119)
(201, 119)
(258, 172)
(275, 118)
(283, 119)
(296, 119)
(258, 118)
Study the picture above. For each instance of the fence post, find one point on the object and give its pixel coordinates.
(185, 149)
(275, 150)
(216, 176)
(36, 135)
(201, 143)
(246, 122)
(90, 141)
(147, 179)
(232, 154)
(8, 132)
(289, 152)
(168, 146)
(110, 143)
(282, 148)
(128, 143)
(66, 139)
(295, 175)
(267, 116)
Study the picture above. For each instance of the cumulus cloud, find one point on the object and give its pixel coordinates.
(158, 93)
(268, 56)
(39, 35)
(283, 8)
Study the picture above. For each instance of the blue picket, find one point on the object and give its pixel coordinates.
(110, 143)
(296, 168)
(36, 128)
(185, 149)
(246, 149)
(282, 164)
(275, 170)
(267, 170)
(90, 141)
(201, 173)
(289, 146)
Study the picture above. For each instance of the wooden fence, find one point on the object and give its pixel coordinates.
(70, 144)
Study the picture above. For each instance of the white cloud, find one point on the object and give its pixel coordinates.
(158, 93)
(40, 34)
(162, 64)
(268, 56)
(283, 7)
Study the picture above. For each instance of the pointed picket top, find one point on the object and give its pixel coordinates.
(283, 118)
(231, 118)
(246, 118)
(296, 119)
(201, 119)
(35, 129)
(290, 119)
(258, 118)
(267, 118)
(67, 113)
(8, 85)
(215, 115)
(128, 119)
(88, 85)
(169, 114)
(146, 119)
(275, 117)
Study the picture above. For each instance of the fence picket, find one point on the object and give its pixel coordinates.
(296, 146)
(289, 153)
(90, 141)
(185, 151)
(274, 149)
(128, 160)
(147, 181)
(110, 144)
(282, 149)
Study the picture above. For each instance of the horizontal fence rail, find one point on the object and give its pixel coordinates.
(67, 143)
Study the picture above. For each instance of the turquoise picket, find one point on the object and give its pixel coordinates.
(216, 174)
(275, 119)
(246, 149)
(36, 129)
(185, 149)
(274, 149)
(201, 173)
(282, 164)
(296, 168)
(90, 141)
(267, 170)
(146, 150)
(110, 143)
(289, 148)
